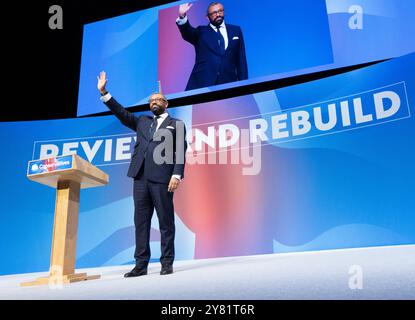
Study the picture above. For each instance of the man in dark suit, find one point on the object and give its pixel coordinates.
(157, 167)
(219, 47)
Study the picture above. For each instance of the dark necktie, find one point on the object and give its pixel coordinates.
(153, 126)
(221, 41)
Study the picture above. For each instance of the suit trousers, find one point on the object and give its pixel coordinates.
(148, 196)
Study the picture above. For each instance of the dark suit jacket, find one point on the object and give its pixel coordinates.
(146, 145)
(211, 67)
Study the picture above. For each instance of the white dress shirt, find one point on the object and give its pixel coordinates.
(161, 119)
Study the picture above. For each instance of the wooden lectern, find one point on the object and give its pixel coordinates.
(68, 174)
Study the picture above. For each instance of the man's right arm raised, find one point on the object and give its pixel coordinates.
(127, 118)
(187, 31)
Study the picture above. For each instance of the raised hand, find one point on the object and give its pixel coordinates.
(102, 82)
(183, 8)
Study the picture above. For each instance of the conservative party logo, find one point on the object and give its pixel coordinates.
(50, 165)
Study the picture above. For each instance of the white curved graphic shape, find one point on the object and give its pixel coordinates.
(346, 236)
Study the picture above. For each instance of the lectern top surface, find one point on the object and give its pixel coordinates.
(71, 167)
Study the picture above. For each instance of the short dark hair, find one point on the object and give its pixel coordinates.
(211, 5)
(163, 96)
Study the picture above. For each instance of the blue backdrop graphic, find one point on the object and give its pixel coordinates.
(347, 188)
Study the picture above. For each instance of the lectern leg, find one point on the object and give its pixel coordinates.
(65, 230)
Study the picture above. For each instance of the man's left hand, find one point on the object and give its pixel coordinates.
(174, 184)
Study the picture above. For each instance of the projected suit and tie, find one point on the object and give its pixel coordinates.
(203, 53)
(219, 48)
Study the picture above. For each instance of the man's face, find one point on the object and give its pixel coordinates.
(158, 104)
(216, 14)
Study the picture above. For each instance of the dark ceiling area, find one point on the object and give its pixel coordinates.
(41, 66)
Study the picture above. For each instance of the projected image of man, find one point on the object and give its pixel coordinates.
(219, 48)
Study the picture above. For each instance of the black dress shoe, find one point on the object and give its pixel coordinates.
(166, 270)
(136, 272)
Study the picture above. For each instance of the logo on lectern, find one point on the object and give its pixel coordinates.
(51, 164)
